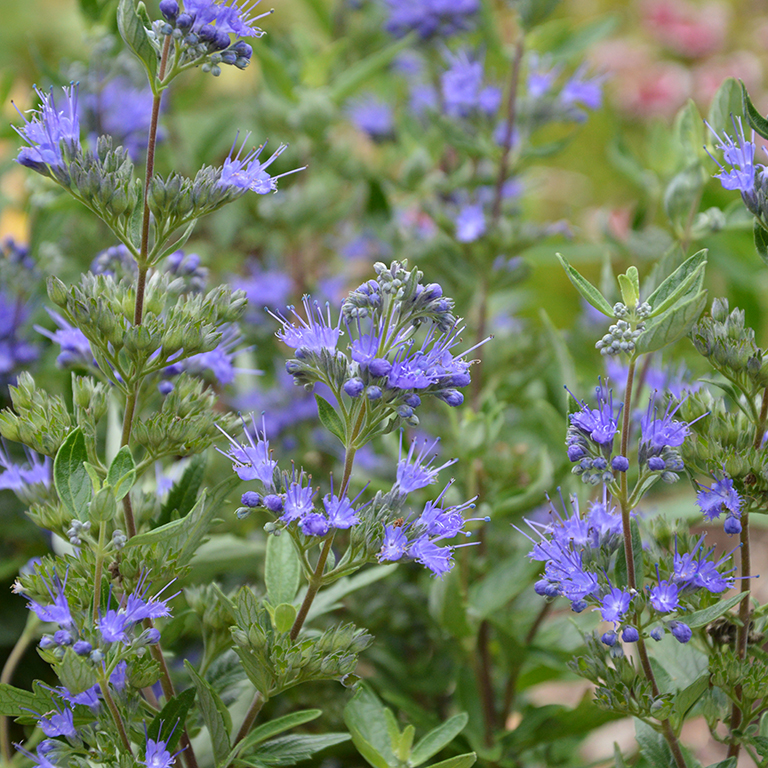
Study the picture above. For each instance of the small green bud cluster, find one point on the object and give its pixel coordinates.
(38, 420)
(621, 336)
(730, 346)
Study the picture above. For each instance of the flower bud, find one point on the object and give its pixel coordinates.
(82, 647)
(609, 639)
(354, 387)
(620, 463)
(272, 502)
(630, 635)
(57, 291)
(251, 499)
(732, 525)
(169, 9)
(681, 632)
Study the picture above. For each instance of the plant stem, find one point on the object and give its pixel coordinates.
(625, 510)
(742, 636)
(14, 657)
(99, 567)
(642, 651)
(510, 690)
(316, 580)
(115, 715)
(484, 681)
(514, 81)
(250, 717)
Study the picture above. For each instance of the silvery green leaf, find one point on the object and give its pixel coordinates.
(282, 570)
(707, 615)
(133, 23)
(672, 325)
(586, 289)
(761, 241)
(438, 738)
(73, 485)
(755, 119)
(122, 473)
(726, 102)
(215, 714)
(671, 283)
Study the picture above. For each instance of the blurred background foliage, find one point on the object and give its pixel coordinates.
(629, 185)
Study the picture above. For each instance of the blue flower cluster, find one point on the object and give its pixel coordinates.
(579, 551)
(291, 498)
(389, 363)
(721, 497)
(430, 18)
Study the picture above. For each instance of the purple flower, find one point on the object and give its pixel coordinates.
(59, 722)
(430, 18)
(313, 334)
(721, 497)
(252, 461)
(664, 596)
(395, 543)
(660, 433)
(540, 80)
(416, 473)
(138, 607)
(341, 513)
(263, 288)
(615, 604)
(630, 635)
(681, 632)
(598, 424)
(242, 172)
(581, 91)
(17, 477)
(113, 626)
(48, 130)
(439, 560)
(75, 347)
(227, 15)
(740, 155)
(470, 223)
(372, 116)
(314, 524)
(462, 87)
(40, 759)
(298, 500)
(58, 612)
(693, 570)
(156, 755)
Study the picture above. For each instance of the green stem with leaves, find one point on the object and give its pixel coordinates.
(642, 651)
(742, 636)
(107, 696)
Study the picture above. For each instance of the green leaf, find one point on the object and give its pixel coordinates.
(728, 101)
(73, 485)
(629, 295)
(272, 728)
(586, 289)
(707, 615)
(329, 418)
(328, 598)
(680, 275)
(438, 738)
(134, 32)
(282, 570)
(75, 673)
(675, 323)
(534, 12)
(170, 719)
(289, 750)
(215, 715)
(652, 745)
(682, 194)
(730, 762)
(284, 616)
(460, 761)
(761, 241)
(688, 130)
(258, 673)
(364, 69)
(618, 757)
(366, 749)
(685, 699)
(405, 743)
(122, 473)
(620, 574)
(15, 702)
(364, 715)
(183, 495)
(754, 118)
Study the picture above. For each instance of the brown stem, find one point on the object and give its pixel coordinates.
(742, 635)
(250, 717)
(484, 682)
(482, 322)
(667, 730)
(514, 82)
(510, 691)
(115, 716)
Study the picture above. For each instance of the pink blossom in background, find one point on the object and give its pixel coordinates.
(658, 90)
(689, 30)
(709, 75)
